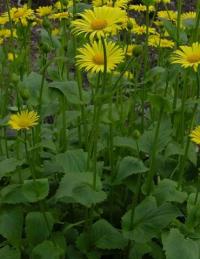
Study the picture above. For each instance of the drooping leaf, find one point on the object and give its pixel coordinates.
(38, 226)
(78, 187)
(7, 252)
(35, 190)
(148, 220)
(11, 223)
(177, 246)
(8, 165)
(129, 166)
(47, 250)
(167, 190)
(72, 161)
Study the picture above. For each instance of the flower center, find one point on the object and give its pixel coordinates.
(19, 14)
(193, 58)
(98, 24)
(98, 59)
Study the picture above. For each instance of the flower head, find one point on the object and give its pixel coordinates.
(91, 56)
(21, 15)
(44, 10)
(141, 8)
(118, 3)
(100, 21)
(59, 16)
(195, 135)
(23, 120)
(156, 41)
(187, 56)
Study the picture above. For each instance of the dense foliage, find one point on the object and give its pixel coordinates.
(99, 135)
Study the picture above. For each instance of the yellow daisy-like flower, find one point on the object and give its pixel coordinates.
(163, 1)
(187, 56)
(59, 16)
(100, 21)
(91, 56)
(167, 15)
(142, 29)
(188, 16)
(141, 8)
(6, 33)
(23, 120)
(21, 15)
(118, 3)
(3, 20)
(156, 41)
(60, 7)
(11, 56)
(195, 135)
(128, 50)
(44, 10)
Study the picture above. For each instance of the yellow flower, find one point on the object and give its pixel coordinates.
(128, 50)
(156, 41)
(21, 15)
(55, 32)
(11, 56)
(163, 1)
(188, 16)
(3, 20)
(6, 33)
(44, 10)
(167, 15)
(91, 56)
(118, 3)
(100, 21)
(59, 16)
(60, 7)
(195, 135)
(187, 56)
(141, 29)
(141, 8)
(23, 120)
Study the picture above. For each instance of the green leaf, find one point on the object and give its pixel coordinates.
(157, 101)
(72, 161)
(167, 190)
(7, 252)
(12, 194)
(148, 220)
(129, 166)
(47, 250)
(35, 190)
(38, 226)
(11, 224)
(176, 246)
(105, 236)
(146, 142)
(78, 187)
(8, 165)
(70, 90)
(125, 142)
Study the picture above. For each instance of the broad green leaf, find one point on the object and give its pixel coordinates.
(12, 194)
(72, 161)
(38, 226)
(70, 90)
(35, 190)
(47, 250)
(125, 142)
(78, 187)
(157, 101)
(146, 142)
(106, 236)
(7, 252)
(148, 220)
(167, 190)
(8, 165)
(177, 246)
(11, 224)
(129, 166)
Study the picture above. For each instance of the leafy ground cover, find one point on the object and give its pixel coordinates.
(99, 135)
